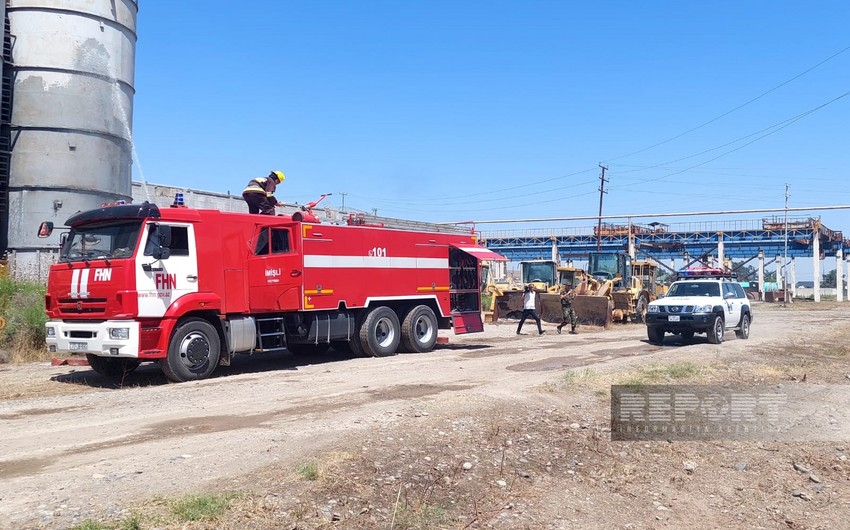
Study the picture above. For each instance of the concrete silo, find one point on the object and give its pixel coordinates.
(71, 115)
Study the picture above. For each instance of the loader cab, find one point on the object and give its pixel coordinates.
(614, 267)
(541, 273)
(644, 275)
(571, 276)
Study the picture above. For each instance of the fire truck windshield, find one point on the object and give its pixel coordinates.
(103, 240)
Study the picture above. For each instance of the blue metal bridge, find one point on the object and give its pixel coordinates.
(805, 237)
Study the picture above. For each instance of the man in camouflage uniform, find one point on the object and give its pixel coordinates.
(567, 297)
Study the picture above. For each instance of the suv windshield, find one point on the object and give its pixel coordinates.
(112, 239)
(694, 289)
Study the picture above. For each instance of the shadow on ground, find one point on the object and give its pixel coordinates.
(149, 374)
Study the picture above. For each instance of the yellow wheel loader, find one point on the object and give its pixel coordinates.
(507, 301)
(629, 284)
(591, 305)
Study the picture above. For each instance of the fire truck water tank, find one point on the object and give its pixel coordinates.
(72, 110)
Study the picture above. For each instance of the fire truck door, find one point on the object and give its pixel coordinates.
(274, 272)
(161, 281)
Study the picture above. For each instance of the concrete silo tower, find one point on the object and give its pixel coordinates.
(72, 66)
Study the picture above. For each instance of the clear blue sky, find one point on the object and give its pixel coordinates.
(456, 110)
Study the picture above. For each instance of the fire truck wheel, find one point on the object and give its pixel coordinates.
(379, 334)
(419, 330)
(193, 352)
(111, 368)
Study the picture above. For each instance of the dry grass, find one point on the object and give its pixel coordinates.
(41, 388)
(23, 352)
(799, 305)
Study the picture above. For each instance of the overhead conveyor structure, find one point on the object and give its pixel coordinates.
(763, 239)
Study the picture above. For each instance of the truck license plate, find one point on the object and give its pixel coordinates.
(79, 346)
(673, 318)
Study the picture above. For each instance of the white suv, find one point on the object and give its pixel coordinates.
(700, 305)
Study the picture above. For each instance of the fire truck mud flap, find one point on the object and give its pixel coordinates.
(467, 323)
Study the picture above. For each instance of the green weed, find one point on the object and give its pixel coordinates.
(309, 470)
(198, 507)
(23, 318)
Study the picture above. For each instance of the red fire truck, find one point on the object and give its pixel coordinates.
(190, 288)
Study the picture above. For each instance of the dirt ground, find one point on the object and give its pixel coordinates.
(493, 430)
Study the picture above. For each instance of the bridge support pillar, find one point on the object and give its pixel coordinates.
(555, 257)
(816, 265)
(761, 275)
(780, 272)
(793, 279)
(848, 278)
(839, 275)
(721, 251)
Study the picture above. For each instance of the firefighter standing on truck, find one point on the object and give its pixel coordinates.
(259, 194)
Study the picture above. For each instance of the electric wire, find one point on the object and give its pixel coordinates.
(772, 130)
(512, 197)
(753, 100)
(460, 198)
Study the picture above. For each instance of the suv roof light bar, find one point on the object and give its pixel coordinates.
(704, 272)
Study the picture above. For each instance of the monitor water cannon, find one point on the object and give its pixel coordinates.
(306, 214)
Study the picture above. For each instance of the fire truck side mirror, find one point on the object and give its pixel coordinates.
(45, 229)
(161, 240)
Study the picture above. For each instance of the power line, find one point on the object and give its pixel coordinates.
(776, 128)
(524, 185)
(653, 215)
(512, 197)
(709, 122)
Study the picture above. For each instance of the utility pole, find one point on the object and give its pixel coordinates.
(342, 208)
(375, 212)
(785, 260)
(602, 192)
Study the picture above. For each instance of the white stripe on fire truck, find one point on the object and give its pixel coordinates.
(84, 283)
(80, 283)
(372, 262)
(75, 283)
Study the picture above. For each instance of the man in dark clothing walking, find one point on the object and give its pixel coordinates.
(570, 316)
(259, 194)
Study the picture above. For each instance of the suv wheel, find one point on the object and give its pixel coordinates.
(655, 335)
(715, 332)
(744, 331)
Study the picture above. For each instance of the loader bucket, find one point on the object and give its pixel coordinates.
(550, 307)
(508, 305)
(595, 310)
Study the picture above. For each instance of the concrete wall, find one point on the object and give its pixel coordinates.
(808, 292)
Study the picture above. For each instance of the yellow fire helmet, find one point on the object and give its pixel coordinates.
(278, 175)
